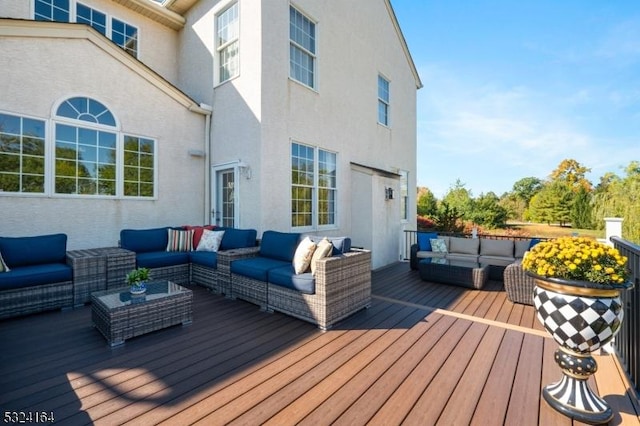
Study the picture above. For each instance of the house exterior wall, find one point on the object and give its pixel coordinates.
(43, 74)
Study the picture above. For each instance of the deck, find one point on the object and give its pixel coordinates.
(423, 354)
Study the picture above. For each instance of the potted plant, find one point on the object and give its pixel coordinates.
(137, 279)
(577, 298)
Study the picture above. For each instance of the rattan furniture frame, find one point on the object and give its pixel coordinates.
(118, 315)
(29, 300)
(219, 280)
(342, 287)
(456, 272)
(518, 285)
(179, 274)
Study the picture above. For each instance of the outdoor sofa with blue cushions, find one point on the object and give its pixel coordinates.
(182, 265)
(339, 286)
(497, 253)
(38, 277)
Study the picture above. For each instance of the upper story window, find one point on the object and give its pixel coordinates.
(302, 48)
(87, 15)
(52, 10)
(227, 35)
(383, 100)
(121, 33)
(313, 187)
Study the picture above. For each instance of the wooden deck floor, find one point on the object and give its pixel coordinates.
(423, 354)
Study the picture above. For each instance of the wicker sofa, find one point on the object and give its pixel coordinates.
(497, 253)
(38, 277)
(185, 266)
(340, 286)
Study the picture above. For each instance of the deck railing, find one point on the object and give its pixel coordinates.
(627, 342)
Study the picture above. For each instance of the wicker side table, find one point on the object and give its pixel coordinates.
(89, 274)
(119, 262)
(225, 258)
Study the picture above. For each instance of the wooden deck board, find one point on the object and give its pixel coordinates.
(424, 353)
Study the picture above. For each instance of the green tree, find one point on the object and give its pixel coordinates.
(487, 211)
(552, 204)
(620, 197)
(581, 211)
(459, 198)
(526, 188)
(448, 218)
(427, 203)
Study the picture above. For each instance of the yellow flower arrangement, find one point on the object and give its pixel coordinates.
(578, 259)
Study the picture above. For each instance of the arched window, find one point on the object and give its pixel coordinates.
(86, 153)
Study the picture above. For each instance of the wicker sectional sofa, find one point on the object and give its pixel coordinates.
(38, 277)
(183, 267)
(339, 287)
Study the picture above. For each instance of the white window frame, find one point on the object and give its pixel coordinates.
(404, 195)
(296, 46)
(384, 101)
(315, 190)
(73, 17)
(222, 48)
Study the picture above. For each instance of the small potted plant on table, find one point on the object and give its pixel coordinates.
(137, 279)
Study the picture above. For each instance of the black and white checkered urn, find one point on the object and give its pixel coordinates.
(581, 320)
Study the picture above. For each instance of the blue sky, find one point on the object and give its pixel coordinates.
(513, 87)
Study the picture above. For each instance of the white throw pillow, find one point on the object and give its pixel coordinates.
(210, 240)
(324, 249)
(3, 265)
(302, 257)
(438, 246)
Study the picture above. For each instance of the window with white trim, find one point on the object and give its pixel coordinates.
(404, 195)
(313, 187)
(118, 31)
(302, 48)
(227, 34)
(22, 154)
(89, 155)
(383, 100)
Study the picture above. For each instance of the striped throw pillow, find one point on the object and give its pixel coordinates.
(180, 240)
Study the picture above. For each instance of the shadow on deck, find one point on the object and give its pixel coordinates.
(422, 354)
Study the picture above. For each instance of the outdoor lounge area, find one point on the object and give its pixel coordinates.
(423, 353)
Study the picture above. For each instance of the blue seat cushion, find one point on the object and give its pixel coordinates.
(285, 276)
(159, 259)
(237, 238)
(341, 245)
(38, 250)
(424, 240)
(144, 240)
(29, 276)
(205, 258)
(256, 267)
(279, 245)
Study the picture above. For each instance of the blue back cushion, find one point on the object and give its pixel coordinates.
(237, 238)
(424, 243)
(38, 250)
(533, 242)
(279, 245)
(144, 240)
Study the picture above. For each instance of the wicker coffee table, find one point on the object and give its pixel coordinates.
(457, 272)
(118, 315)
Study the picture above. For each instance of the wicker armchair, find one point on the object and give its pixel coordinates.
(342, 287)
(518, 285)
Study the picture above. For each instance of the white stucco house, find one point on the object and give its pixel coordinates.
(296, 116)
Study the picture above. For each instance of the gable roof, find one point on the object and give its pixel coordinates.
(29, 28)
(403, 42)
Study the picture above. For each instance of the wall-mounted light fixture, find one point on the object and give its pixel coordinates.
(245, 169)
(196, 153)
(388, 193)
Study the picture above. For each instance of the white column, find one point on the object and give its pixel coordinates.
(613, 228)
